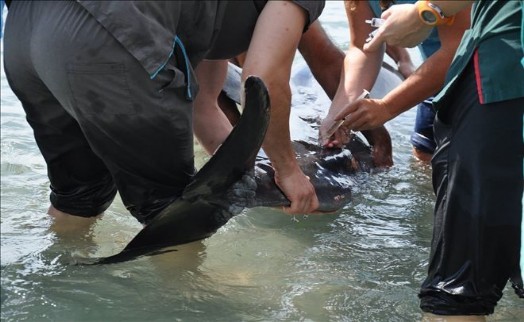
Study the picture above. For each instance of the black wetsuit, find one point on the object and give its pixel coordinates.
(477, 168)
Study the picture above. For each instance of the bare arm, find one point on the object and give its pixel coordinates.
(210, 125)
(424, 82)
(429, 78)
(401, 56)
(403, 26)
(360, 69)
(270, 56)
(325, 60)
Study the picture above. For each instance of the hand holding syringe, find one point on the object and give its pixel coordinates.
(338, 124)
(375, 23)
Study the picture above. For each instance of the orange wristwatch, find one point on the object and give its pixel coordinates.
(432, 15)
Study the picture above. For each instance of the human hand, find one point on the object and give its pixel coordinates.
(298, 190)
(337, 139)
(365, 114)
(402, 27)
(331, 131)
(380, 140)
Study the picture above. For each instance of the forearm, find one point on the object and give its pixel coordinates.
(359, 72)
(360, 69)
(426, 81)
(429, 78)
(403, 26)
(210, 125)
(277, 39)
(277, 142)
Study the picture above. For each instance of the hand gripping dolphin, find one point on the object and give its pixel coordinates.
(331, 171)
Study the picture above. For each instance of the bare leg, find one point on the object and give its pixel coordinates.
(428, 317)
(421, 155)
(65, 224)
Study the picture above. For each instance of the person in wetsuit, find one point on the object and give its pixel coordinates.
(109, 88)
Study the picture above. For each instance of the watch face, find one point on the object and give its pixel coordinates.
(429, 16)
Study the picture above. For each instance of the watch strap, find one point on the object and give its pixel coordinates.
(441, 19)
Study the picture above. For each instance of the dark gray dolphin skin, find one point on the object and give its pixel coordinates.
(197, 213)
(330, 170)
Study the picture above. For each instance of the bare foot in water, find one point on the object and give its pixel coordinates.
(428, 317)
(66, 225)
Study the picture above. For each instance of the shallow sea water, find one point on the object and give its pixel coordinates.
(362, 264)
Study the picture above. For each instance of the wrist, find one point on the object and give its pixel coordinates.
(432, 15)
(388, 107)
(283, 159)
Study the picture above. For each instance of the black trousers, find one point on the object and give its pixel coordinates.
(100, 122)
(478, 181)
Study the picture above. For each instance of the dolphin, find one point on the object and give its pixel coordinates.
(330, 170)
(198, 213)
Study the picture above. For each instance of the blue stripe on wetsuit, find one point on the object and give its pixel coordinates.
(178, 42)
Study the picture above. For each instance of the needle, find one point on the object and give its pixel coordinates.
(375, 22)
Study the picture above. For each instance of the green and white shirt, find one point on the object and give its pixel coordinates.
(494, 42)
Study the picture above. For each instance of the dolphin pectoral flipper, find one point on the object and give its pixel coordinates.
(239, 150)
(198, 213)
